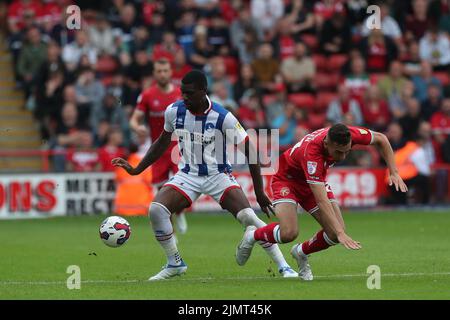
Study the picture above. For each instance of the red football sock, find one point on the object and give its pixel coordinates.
(316, 243)
(266, 233)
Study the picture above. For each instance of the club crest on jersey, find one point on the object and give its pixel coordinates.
(209, 126)
(312, 167)
(285, 191)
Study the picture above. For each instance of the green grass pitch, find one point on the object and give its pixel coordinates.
(412, 250)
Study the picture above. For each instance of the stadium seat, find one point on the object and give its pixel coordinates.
(327, 81)
(336, 61)
(443, 77)
(106, 64)
(323, 100)
(375, 77)
(320, 61)
(303, 100)
(231, 66)
(268, 99)
(316, 120)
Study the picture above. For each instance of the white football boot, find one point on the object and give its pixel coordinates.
(304, 269)
(288, 272)
(181, 223)
(169, 271)
(244, 249)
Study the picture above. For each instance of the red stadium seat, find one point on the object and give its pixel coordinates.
(443, 77)
(303, 100)
(327, 81)
(268, 99)
(336, 61)
(231, 66)
(316, 120)
(375, 77)
(320, 61)
(323, 100)
(106, 64)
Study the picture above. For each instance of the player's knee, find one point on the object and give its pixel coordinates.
(288, 234)
(158, 211)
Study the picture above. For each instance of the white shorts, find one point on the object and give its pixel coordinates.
(191, 187)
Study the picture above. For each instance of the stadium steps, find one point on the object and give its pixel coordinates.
(18, 130)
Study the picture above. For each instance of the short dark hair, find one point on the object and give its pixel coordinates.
(197, 78)
(340, 134)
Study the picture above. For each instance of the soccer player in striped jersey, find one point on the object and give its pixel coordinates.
(301, 180)
(202, 128)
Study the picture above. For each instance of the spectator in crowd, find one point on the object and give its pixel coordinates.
(325, 9)
(375, 110)
(424, 80)
(275, 107)
(250, 112)
(101, 36)
(378, 51)
(357, 80)
(202, 51)
(434, 47)
(393, 82)
(301, 17)
(218, 33)
(120, 90)
(267, 14)
(221, 95)
(286, 123)
(432, 102)
(243, 24)
(389, 26)
(128, 22)
(185, 27)
(216, 72)
(32, 55)
(21, 10)
(89, 93)
(283, 43)
(394, 133)
(167, 48)
(157, 27)
(180, 67)
(112, 112)
(266, 68)
(53, 63)
(245, 82)
(398, 101)
(416, 24)
(412, 62)
(343, 105)
(82, 157)
(298, 71)
(73, 51)
(247, 48)
(335, 35)
(112, 149)
(411, 120)
(140, 69)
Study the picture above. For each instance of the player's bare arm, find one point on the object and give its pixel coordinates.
(155, 151)
(136, 123)
(255, 171)
(329, 219)
(381, 142)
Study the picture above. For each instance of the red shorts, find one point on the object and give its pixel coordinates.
(162, 168)
(297, 192)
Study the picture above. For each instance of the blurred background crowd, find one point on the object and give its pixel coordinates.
(293, 65)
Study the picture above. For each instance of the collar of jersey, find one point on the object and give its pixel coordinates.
(206, 111)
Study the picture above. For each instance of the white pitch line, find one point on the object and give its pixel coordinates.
(224, 278)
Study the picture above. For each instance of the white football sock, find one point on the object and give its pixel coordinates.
(163, 230)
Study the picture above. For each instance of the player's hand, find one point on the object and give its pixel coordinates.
(119, 162)
(348, 242)
(265, 203)
(394, 179)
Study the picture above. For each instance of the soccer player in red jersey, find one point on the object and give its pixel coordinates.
(151, 105)
(300, 180)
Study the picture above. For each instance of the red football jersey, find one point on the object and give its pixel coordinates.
(153, 102)
(308, 160)
(107, 153)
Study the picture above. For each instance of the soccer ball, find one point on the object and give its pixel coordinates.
(115, 231)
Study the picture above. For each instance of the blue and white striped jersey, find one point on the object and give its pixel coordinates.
(202, 139)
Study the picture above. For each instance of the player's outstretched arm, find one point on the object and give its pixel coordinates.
(135, 123)
(381, 142)
(155, 151)
(328, 218)
(255, 171)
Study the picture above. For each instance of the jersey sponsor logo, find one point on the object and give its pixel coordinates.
(363, 131)
(209, 126)
(238, 126)
(312, 167)
(285, 191)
